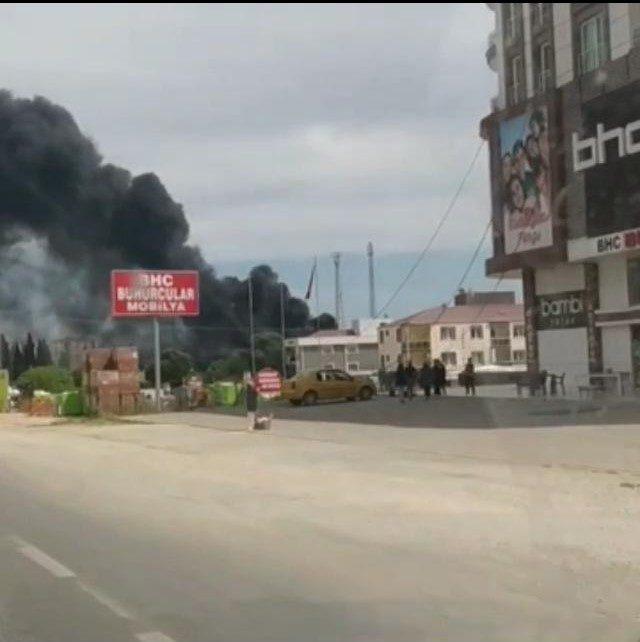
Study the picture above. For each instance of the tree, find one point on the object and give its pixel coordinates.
(5, 353)
(323, 321)
(29, 352)
(48, 378)
(43, 355)
(17, 361)
(175, 366)
(64, 359)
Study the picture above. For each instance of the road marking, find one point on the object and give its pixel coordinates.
(154, 636)
(40, 557)
(113, 605)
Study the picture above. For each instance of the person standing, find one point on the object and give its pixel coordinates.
(439, 377)
(401, 380)
(412, 375)
(426, 378)
(251, 400)
(469, 379)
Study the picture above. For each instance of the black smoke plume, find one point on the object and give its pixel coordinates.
(67, 219)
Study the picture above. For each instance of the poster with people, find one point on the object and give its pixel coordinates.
(526, 188)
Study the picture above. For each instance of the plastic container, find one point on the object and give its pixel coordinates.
(70, 404)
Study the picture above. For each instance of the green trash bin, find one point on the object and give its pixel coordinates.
(71, 404)
(4, 390)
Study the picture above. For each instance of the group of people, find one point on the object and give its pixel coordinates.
(432, 378)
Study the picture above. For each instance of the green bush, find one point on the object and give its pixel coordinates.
(49, 378)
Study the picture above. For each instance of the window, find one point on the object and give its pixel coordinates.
(449, 358)
(515, 89)
(511, 12)
(543, 67)
(519, 356)
(353, 349)
(477, 358)
(537, 12)
(353, 366)
(447, 332)
(399, 335)
(476, 332)
(518, 331)
(327, 350)
(388, 358)
(381, 336)
(633, 281)
(592, 44)
(339, 375)
(382, 362)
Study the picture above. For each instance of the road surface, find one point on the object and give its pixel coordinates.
(188, 528)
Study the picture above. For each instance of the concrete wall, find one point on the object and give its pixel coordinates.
(619, 29)
(614, 294)
(616, 347)
(563, 42)
(560, 278)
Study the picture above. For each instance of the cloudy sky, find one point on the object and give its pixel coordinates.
(286, 131)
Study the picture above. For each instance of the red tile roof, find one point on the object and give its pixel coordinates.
(489, 313)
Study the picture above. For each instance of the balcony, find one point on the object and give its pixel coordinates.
(544, 81)
(515, 94)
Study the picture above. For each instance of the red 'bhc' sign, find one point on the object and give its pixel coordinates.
(155, 293)
(268, 382)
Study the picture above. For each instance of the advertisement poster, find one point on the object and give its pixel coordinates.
(526, 182)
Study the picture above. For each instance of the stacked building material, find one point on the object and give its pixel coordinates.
(112, 380)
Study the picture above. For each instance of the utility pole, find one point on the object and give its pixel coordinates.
(283, 331)
(372, 283)
(252, 334)
(338, 288)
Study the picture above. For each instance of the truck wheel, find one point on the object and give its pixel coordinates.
(310, 398)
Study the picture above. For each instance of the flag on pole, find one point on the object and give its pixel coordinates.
(312, 277)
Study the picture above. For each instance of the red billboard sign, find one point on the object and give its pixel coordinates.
(155, 293)
(268, 382)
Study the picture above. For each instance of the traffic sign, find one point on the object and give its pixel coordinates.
(268, 383)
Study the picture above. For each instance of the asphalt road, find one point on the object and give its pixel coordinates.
(187, 528)
(456, 411)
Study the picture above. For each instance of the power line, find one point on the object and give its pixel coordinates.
(435, 233)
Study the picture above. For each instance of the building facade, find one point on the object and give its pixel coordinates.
(487, 333)
(564, 141)
(354, 351)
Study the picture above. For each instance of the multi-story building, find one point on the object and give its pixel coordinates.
(487, 328)
(354, 350)
(564, 137)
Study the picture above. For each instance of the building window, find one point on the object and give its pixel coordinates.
(592, 42)
(449, 358)
(399, 335)
(519, 356)
(538, 12)
(477, 358)
(511, 12)
(354, 349)
(633, 281)
(476, 332)
(447, 332)
(327, 350)
(543, 67)
(381, 336)
(353, 366)
(518, 331)
(388, 358)
(515, 88)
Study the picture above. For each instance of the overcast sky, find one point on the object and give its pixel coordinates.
(286, 131)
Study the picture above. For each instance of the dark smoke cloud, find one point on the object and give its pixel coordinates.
(67, 219)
